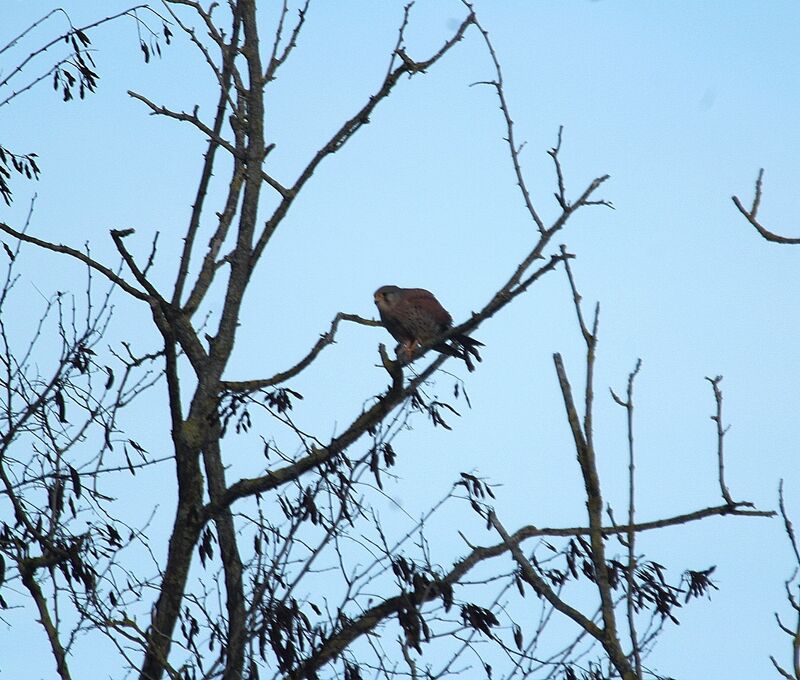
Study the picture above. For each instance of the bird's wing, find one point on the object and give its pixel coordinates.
(423, 300)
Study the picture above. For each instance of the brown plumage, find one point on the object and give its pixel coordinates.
(415, 317)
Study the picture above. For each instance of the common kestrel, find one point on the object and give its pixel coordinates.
(415, 317)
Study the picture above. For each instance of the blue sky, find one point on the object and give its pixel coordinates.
(681, 103)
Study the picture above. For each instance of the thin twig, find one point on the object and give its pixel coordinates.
(513, 147)
(721, 432)
(631, 534)
(276, 61)
(400, 38)
(228, 58)
(794, 601)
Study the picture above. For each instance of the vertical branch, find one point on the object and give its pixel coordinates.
(594, 505)
(794, 601)
(513, 147)
(231, 561)
(186, 526)
(561, 195)
(228, 58)
(787, 524)
(631, 537)
(584, 447)
(29, 581)
(721, 432)
(276, 60)
(241, 263)
(400, 38)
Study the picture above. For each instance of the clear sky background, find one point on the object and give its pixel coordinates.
(680, 102)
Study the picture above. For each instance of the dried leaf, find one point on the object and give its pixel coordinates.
(76, 480)
(518, 637)
(62, 409)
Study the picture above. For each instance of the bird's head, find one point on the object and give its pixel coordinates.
(386, 296)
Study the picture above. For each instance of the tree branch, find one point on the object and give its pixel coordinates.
(349, 128)
(29, 581)
(117, 236)
(751, 214)
(247, 386)
(539, 584)
(228, 56)
(594, 505)
(373, 616)
(78, 255)
(513, 148)
(721, 432)
(631, 534)
(276, 61)
(274, 479)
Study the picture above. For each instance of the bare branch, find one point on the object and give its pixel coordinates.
(349, 128)
(721, 431)
(396, 394)
(118, 236)
(246, 386)
(513, 148)
(631, 534)
(78, 255)
(787, 524)
(13, 42)
(29, 581)
(276, 61)
(205, 15)
(208, 132)
(401, 32)
(228, 58)
(210, 263)
(540, 586)
(594, 505)
(790, 584)
(751, 215)
(192, 118)
(784, 673)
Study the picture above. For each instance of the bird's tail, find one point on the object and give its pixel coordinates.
(463, 347)
(469, 344)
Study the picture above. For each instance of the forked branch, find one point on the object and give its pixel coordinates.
(751, 215)
(78, 255)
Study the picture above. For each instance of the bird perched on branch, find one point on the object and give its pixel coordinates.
(415, 317)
